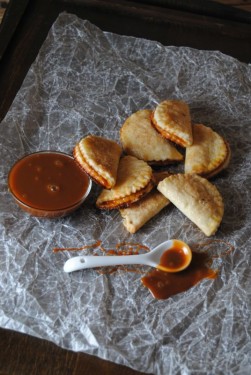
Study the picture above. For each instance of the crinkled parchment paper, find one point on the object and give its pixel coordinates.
(88, 81)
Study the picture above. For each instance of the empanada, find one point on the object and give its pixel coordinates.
(99, 157)
(139, 138)
(134, 180)
(196, 198)
(135, 216)
(172, 120)
(209, 153)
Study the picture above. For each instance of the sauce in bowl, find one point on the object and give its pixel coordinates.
(48, 184)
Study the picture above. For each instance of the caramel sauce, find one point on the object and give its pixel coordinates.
(48, 181)
(173, 258)
(163, 285)
(92, 246)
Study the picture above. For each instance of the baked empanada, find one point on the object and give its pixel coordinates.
(99, 157)
(134, 180)
(140, 139)
(172, 120)
(196, 198)
(209, 153)
(135, 216)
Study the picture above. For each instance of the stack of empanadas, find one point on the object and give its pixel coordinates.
(153, 138)
(134, 180)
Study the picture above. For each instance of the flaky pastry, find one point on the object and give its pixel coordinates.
(134, 180)
(139, 213)
(139, 138)
(172, 120)
(209, 153)
(135, 216)
(99, 157)
(195, 197)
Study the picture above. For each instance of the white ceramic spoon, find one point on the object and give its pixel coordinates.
(152, 258)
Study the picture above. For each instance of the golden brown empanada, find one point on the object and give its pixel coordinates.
(172, 120)
(135, 216)
(140, 139)
(196, 198)
(134, 180)
(209, 153)
(99, 157)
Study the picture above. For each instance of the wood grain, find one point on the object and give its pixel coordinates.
(239, 4)
(25, 355)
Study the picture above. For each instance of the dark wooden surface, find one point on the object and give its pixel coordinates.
(26, 23)
(25, 355)
(239, 4)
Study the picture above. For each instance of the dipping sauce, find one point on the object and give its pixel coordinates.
(48, 184)
(163, 285)
(175, 258)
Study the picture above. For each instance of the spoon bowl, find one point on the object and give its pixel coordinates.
(169, 256)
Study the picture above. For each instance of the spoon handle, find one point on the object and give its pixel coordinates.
(90, 261)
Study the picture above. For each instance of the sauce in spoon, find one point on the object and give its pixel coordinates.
(176, 258)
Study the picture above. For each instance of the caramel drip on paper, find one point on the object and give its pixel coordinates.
(122, 248)
(95, 245)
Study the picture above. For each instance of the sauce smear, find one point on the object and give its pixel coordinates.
(163, 285)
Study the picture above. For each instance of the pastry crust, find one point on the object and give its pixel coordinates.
(196, 198)
(134, 180)
(222, 166)
(135, 216)
(140, 139)
(172, 120)
(209, 153)
(99, 157)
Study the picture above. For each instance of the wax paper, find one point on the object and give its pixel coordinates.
(86, 81)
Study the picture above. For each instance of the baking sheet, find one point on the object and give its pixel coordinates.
(87, 81)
